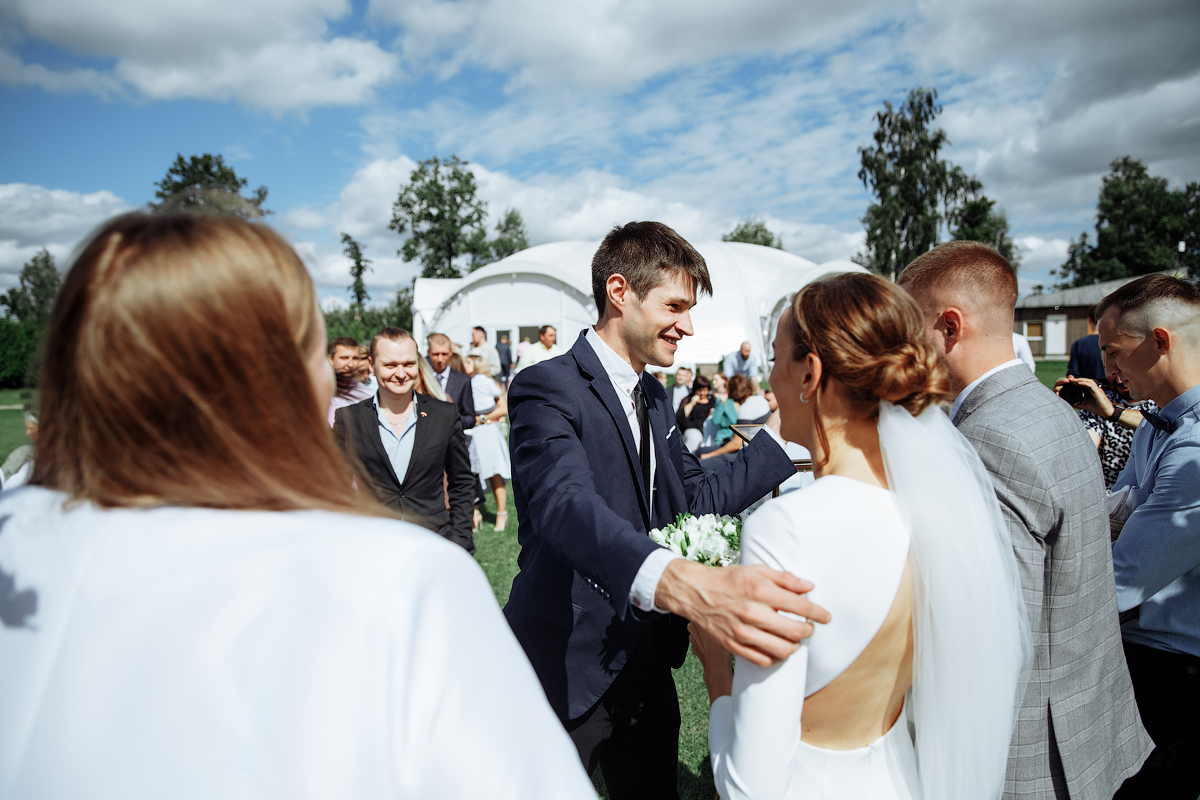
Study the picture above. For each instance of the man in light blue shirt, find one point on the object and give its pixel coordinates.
(1150, 336)
(742, 362)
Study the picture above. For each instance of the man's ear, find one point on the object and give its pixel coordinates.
(952, 326)
(1163, 340)
(617, 291)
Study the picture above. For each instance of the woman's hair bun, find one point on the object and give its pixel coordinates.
(870, 336)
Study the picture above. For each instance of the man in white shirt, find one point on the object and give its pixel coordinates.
(343, 359)
(682, 388)
(545, 348)
(481, 348)
(599, 608)
(1078, 732)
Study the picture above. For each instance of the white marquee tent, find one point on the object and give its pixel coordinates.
(551, 285)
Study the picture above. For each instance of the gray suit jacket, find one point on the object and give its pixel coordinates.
(1078, 728)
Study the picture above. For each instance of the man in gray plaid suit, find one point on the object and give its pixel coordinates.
(1078, 734)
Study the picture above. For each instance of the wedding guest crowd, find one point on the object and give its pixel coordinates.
(229, 554)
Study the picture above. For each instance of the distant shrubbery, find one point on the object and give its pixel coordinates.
(28, 307)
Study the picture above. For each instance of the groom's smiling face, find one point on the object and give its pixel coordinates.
(654, 326)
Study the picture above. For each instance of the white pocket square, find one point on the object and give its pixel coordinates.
(670, 431)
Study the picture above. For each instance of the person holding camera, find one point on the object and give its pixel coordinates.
(1110, 416)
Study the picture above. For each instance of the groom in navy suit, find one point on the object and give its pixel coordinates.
(598, 461)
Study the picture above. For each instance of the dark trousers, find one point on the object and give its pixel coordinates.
(1167, 689)
(632, 733)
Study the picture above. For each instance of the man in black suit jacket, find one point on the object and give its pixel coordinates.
(456, 385)
(597, 462)
(401, 444)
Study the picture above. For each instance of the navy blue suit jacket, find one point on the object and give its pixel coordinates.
(458, 389)
(1086, 359)
(583, 518)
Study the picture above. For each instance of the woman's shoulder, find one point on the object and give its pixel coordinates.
(831, 514)
(346, 554)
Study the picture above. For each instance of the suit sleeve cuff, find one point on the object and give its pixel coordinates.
(771, 434)
(645, 583)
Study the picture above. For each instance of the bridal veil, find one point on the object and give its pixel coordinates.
(969, 620)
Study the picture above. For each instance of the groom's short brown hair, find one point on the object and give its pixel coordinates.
(642, 252)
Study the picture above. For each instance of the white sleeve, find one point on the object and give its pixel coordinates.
(753, 734)
(645, 583)
(466, 692)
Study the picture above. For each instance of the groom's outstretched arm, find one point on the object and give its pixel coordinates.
(739, 606)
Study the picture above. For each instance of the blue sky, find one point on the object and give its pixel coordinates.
(581, 115)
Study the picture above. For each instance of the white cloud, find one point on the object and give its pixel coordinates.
(272, 54)
(613, 44)
(1038, 257)
(34, 217)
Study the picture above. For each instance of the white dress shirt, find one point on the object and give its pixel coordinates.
(962, 396)
(645, 583)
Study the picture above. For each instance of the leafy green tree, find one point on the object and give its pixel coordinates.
(367, 322)
(205, 184)
(359, 264)
(753, 231)
(511, 239)
(28, 306)
(1140, 221)
(976, 221)
(444, 219)
(915, 189)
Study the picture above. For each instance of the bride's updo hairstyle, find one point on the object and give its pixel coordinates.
(176, 373)
(870, 337)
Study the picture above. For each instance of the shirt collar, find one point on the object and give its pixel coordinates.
(1175, 409)
(444, 374)
(618, 369)
(412, 416)
(962, 396)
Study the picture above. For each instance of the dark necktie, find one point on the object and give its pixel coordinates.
(643, 416)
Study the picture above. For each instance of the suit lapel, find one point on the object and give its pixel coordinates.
(602, 385)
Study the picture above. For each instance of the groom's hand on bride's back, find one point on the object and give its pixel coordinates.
(739, 606)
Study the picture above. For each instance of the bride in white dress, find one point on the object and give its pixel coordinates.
(909, 693)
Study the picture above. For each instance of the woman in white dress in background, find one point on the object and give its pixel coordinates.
(910, 691)
(197, 601)
(489, 447)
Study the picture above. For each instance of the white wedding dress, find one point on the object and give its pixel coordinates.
(853, 541)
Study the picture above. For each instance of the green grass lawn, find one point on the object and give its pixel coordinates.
(496, 552)
(1050, 371)
(12, 431)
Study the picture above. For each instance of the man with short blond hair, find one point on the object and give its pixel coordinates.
(1078, 734)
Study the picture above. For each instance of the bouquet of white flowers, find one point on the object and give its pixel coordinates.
(710, 539)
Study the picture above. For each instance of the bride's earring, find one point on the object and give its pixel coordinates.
(802, 400)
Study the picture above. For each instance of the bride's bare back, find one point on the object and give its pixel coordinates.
(863, 703)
